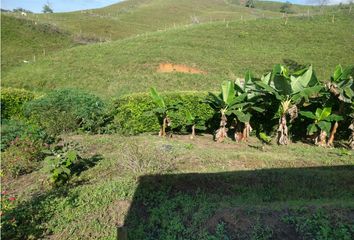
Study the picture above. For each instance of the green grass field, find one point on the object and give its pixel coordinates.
(129, 18)
(207, 185)
(23, 40)
(223, 51)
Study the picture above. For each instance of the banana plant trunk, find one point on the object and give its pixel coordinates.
(246, 131)
(351, 138)
(320, 140)
(221, 133)
(335, 126)
(333, 132)
(283, 138)
(193, 132)
(162, 132)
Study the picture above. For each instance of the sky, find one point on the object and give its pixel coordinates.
(57, 5)
(73, 5)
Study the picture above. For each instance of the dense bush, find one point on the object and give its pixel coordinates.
(131, 113)
(66, 110)
(21, 157)
(11, 129)
(12, 101)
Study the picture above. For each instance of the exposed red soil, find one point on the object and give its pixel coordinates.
(170, 67)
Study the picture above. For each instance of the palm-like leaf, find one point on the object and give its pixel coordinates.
(158, 100)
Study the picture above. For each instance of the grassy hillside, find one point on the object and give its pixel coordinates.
(23, 40)
(133, 17)
(301, 191)
(223, 50)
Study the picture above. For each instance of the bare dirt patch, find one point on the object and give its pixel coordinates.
(170, 67)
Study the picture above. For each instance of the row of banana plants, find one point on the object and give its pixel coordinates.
(290, 93)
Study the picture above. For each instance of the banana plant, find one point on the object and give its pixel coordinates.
(341, 88)
(222, 103)
(321, 125)
(251, 103)
(195, 122)
(289, 91)
(351, 128)
(162, 111)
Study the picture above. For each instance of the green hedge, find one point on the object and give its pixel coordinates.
(12, 102)
(130, 112)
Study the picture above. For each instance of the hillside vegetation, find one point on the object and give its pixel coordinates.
(24, 40)
(132, 17)
(222, 50)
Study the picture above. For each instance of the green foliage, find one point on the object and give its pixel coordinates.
(265, 138)
(194, 120)
(130, 111)
(342, 83)
(322, 120)
(47, 8)
(7, 205)
(11, 129)
(60, 164)
(286, 8)
(320, 225)
(250, 3)
(228, 102)
(162, 110)
(67, 110)
(21, 157)
(12, 102)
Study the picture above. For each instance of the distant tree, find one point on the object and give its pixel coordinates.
(286, 7)
(250, 3)
(19, 10)
(47, 8)
(5, 10)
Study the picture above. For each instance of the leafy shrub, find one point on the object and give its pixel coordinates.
(62, 162)
(12, 129)
(130, 112)
(12, 101)
(21, 157)
(66, 110)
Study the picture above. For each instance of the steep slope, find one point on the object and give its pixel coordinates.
(24, 40)
(133, 17)
(223, 51)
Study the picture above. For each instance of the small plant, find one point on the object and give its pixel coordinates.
(261, 232)
(61, 163)
(321, 125)
(195, 122)
(341, 89)
(163, 111)
(224, 103)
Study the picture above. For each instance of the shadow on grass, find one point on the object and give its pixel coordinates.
(30, 216)
(234, 205)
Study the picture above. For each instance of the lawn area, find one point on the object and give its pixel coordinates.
(179, 188)
(223, 50)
